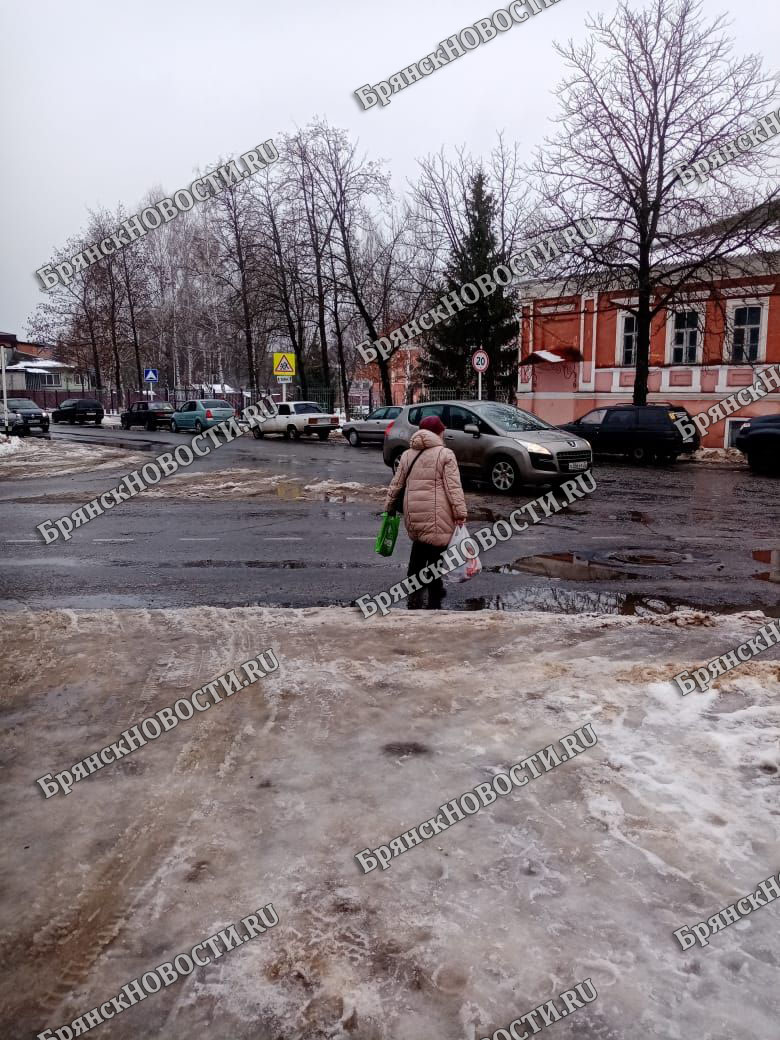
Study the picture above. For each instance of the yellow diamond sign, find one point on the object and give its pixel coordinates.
(284, 364)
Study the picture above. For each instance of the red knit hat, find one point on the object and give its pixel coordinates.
(434, 424)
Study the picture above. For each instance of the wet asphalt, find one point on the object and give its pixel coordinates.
(649, 539)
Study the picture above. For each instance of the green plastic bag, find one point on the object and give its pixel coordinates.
(388, 533)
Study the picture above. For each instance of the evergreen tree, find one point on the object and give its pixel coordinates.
(490, 323)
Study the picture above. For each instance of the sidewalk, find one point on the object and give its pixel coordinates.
(365, 730)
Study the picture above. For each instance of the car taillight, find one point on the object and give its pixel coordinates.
(389, 428)
(208, 414)
(311, 422)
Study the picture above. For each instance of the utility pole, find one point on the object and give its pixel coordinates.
(5, 392)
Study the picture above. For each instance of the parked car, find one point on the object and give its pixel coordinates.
(201, 415)
(78, 410)
(496, 442)
(16, 423)
(298, 419)
(32, 415)
(640, 432)
(372, 428)
(150, 414)
(759, 440)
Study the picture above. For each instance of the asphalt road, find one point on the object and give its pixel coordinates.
(648, 539)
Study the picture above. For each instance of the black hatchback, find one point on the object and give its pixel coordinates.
(78, 410)
(640, 432)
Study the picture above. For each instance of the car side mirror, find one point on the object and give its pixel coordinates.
(471, 428)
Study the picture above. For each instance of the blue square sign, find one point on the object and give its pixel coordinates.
(150, 375)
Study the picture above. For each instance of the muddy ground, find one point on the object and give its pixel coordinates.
(366, 729)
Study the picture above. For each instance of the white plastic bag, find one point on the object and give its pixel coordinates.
(473, 564)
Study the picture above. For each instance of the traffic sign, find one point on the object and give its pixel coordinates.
(480, 362)
(284, 379)
(151, 375)
(284, 364)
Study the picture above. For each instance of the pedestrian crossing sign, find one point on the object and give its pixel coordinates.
(284, 364)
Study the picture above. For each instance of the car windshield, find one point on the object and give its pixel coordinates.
(21, 402)
(161, 406)
(216, 404)
(304, 407)
(513, 420)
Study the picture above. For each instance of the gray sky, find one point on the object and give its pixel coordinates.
(103, 101)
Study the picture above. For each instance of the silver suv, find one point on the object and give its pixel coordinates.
(496, 442)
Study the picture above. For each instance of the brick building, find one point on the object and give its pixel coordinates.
(578, 352)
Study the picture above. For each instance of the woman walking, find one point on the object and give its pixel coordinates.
(434, 504)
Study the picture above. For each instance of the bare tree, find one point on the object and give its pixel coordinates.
(650, 91)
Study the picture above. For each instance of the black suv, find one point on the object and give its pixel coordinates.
(79, 410)
(31, 414)
(150, 414)
(759, 440)
(640, 432)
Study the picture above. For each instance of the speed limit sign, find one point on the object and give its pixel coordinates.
(480, 362)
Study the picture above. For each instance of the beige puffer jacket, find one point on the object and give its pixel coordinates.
(434, 503)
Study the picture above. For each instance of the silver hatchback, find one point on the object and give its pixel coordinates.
(495, 442)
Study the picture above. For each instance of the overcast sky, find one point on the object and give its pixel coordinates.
(103, 101)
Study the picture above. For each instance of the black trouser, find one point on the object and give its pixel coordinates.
(423, 555)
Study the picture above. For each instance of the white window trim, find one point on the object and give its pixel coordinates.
(728, 339)
(701, 310)
(621, 315)
(740, 420)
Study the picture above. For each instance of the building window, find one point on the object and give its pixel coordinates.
(685, 341)
(50, 379)
(746, 335)
(628, 352)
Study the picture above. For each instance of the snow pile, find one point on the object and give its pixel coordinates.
(366, 729)
(718, 455)
(14, 446)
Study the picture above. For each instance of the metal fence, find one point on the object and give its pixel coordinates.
(451, 393)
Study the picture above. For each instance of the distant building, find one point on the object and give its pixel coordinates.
(578, 352)
(32, 366)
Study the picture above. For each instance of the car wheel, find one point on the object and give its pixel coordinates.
(174, 427)
(354, 438)
(72, 420)
(55, 421)
(99, 420)
(639, 455)
(293, 432)
(504, 476)
(397, 460)
(151, 425)
(45, 427)
(257, 433)
(125, 424)
(198, 426)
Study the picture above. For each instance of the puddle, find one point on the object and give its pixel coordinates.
(565, 565)
(772, 557)
(284, 565)
(558, 601)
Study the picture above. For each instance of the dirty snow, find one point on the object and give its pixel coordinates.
(368, 727)
(718, 455)
(39, 457)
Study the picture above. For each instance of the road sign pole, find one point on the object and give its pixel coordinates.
(284, 393)
(479, 386)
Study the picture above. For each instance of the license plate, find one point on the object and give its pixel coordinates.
(578, 465)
